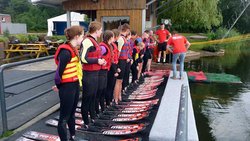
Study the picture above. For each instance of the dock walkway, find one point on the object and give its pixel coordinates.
(165, 124)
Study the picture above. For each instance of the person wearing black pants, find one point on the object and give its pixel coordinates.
(92, 62)
(69, 95)
(113, 72)
(102, 87)
(146, 56)
(107, 52)
(125, 82)
(134, 66)
(90, 87)
(67, 79)
(111, 83)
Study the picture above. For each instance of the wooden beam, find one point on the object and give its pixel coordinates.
(72, 5)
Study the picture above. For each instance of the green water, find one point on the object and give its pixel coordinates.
(222, 111)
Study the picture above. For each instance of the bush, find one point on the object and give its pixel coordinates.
(221, 32)
(33, 38)
(211, 36)
(41, 37)
(4, 39)
(22, 38)
(213, 48)
(55, 38)
(6, 33)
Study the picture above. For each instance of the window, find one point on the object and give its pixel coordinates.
(110, 23)
(3, 19)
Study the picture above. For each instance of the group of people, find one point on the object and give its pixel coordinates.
(102, 69)
(175, 44)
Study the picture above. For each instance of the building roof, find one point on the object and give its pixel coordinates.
(48, 2)
(4, 14)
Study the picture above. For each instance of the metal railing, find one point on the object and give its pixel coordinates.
(182, 122)
(4, 110)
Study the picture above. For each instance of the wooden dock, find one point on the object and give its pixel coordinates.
(165, 124)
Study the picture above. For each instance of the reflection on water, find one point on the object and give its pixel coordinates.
(222, 111)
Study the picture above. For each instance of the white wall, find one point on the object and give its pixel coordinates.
(14, 28)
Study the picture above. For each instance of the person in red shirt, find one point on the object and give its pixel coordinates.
(163, 36)
(179, 48)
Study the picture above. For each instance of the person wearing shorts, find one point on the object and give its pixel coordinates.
(163, 35)
(123, 47)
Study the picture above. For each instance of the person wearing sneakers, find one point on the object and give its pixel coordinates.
(90, 53)
(179, 46)
(163, 36)
(68, 78)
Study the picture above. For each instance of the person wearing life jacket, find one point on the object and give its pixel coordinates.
(90, 53)
(113, 71)
(146, 41)
(151, 47)
(125, 81)
(179, 46)
(67, 79)
(123, 48)
(135, 56)
(106, 51)
(140, 58)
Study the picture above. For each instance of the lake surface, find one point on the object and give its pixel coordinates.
(222, 111)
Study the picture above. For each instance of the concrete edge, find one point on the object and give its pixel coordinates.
(34, 120)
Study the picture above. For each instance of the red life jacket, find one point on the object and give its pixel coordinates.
(95, 54)
(152, 40)
(125, 50)
(137, 53)
(116, 53)
(70, 71)
(130, 49)
(107, 57)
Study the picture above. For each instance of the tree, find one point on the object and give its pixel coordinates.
(193, 15)
(229, 9)
(3, 4)
(35, 16)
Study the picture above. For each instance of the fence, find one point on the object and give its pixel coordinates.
(4, 109)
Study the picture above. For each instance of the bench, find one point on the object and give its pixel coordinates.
(36, 48)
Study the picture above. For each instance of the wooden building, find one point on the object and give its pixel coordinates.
(111, 13)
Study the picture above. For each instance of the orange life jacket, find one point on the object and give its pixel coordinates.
(70, 71)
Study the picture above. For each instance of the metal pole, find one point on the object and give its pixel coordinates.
(3, 102)
(68, 19)
(181, 131)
